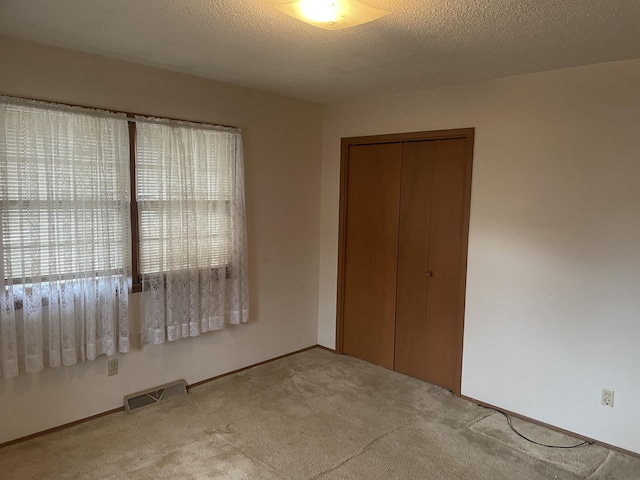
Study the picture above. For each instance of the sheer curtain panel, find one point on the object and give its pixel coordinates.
(64, 233)
(193, 246)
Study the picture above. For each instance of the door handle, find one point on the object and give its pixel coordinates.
(429, 274)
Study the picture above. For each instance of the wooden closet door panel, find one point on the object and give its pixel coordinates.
(428, 315)
(446, 261)
(373, 199)
(413, 259)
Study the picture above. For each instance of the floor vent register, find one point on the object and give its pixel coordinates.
(154, 395)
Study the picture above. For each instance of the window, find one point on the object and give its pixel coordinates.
(64, 193)
(69, 231)
(183, 182)
(192, 242)
(64, 234)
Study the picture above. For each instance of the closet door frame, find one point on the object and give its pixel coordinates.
(460, 133)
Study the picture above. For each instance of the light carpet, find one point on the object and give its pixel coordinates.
(314, 415)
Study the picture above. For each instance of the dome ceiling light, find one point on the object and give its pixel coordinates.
(332, 14)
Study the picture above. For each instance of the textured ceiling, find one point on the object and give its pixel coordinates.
(422, 44)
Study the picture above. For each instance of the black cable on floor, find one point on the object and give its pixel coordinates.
(533, 441)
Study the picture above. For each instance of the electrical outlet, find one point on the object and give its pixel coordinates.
(112, 367)
(607, 397)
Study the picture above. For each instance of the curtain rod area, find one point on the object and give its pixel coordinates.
(181, 123)
(109, 112)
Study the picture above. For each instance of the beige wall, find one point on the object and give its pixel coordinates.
(282, 139)
(553, 291)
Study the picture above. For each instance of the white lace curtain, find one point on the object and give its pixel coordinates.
(193, 246)
(64, 233)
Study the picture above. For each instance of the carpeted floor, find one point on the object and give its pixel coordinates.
(314, 415)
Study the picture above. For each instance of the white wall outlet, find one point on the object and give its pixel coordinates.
(607, 397)
(112, 367)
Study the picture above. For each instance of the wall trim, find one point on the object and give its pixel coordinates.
(552, 427)
(60, 427)
(322, 347)
(121, 409)
(233, 372)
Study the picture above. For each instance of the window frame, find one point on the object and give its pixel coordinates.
(136, 284)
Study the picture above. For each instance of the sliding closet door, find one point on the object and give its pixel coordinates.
(431, 261)
(371, 244)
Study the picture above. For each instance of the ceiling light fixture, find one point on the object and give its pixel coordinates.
(332, 14)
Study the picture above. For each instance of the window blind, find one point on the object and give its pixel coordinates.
(184, 193)
(63, 192)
